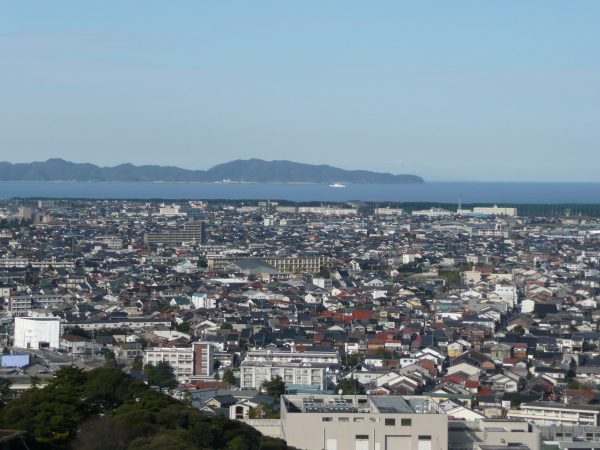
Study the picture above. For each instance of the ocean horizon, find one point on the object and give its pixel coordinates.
(435, 191)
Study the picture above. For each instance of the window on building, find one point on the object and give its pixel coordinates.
(344, 419)
(327, 419)
(390, 422)
(359, 419)
(406, 422)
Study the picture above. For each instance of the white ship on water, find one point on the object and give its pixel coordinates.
(337, 185)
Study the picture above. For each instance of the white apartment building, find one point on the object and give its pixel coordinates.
(433, 212)
(186, 362)
(496, 211)
(310, 368)
(327, 210)
(20, 303)
(170, 210)
(323, 283)
(180, 359)
(280, 355)
(22, 263)
(557, 414)
(201, 300)
(254, 373)
(387, 211)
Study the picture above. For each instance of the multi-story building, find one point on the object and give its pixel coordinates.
(192, 231)
(390, 422)
(21, 302)
(37, 332)
(433, 212)
(363, 422)
(327, 210)
(387, 211)
(291, 264)
(315, 370)
(22, 263)
(25, 212)
(126, 322)
(186, 362)
(170, 210)
(305, 375)
(496, 211)
(493, 433)
(180, 359)
(557, 414)
(299, 264)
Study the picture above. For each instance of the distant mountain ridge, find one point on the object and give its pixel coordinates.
(249, 170)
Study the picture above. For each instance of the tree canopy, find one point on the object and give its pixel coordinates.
(229, 377)
(161, 375)
(106, 408)
(274, 387)
(349, 386)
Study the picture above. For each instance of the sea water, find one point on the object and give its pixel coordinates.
(442, 192)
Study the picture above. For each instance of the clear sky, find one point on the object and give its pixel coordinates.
(448, 90)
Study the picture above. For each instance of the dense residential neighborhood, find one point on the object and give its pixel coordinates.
(290, 318)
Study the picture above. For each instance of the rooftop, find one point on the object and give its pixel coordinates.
(363, 404)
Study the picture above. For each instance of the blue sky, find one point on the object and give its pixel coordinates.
(468, 90)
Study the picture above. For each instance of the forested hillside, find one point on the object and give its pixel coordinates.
(108, 409)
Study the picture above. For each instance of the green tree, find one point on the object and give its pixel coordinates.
(226, 326)
(229, 377)
(380, 351)
(349, 386)
(138, 364)
(264, 410)
(35, 381)
(351, 361)
(77, 331)
(50, 415)
(323, 273)
(515, 403)
(111, 360)
(161, 375)
(274, 387)
(519, 329)
(107, 388)
(217, 377)
(572, 383)
(101, 434)
(106, 408)
(5, 391)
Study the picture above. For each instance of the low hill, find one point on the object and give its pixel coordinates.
(250, 170)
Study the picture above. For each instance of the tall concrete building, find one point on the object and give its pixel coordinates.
(25, 212)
